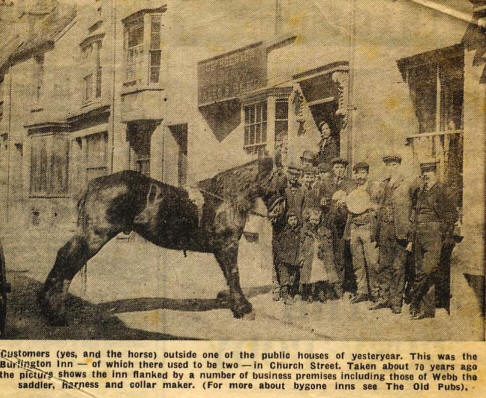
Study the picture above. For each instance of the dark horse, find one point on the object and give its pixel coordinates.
(168, 217)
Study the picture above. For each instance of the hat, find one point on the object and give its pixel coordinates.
(392, 158)
(428, 166)
(361, 165)
(308, 155)
(339, 160)
(309, 170)
(324, 167)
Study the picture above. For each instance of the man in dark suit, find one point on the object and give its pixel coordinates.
(393, 236)
(334, 188)
(434, 219)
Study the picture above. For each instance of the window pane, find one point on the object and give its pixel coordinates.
(252, 135)
(247, 114)
(423, 81)
(154, 66)
(155, 33)
(281, 109)
(258, 113)
(281, 128)
(265, 111)
(98, 82)
(135, 36)
(258, 129)
(247, 136)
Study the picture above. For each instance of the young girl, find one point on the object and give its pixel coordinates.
(316, 257)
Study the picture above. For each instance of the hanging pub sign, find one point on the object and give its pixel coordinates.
(229, 75)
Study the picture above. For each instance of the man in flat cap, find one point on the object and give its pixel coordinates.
(307, 159)
(393, 235)
(328, 146)
(434, 219)
(360, 227)
(334, 188)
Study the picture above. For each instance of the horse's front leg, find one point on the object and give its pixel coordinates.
(70, 258)
(227, 260)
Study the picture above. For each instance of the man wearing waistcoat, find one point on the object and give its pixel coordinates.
(434, 219)
(393, 235)
(360, 228)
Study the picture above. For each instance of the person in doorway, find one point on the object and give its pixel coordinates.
(434, 219)
(328, 145)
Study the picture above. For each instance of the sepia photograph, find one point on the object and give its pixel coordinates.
(283, 170)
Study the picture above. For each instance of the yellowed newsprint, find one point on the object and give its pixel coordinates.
(203, 198)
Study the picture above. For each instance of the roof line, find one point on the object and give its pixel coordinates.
(444, 9)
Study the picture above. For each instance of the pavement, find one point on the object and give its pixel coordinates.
(133, 289)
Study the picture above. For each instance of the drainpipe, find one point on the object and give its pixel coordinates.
(351, 107)
(113, 73)
(9, 141)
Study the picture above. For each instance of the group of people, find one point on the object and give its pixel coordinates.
(380, 241)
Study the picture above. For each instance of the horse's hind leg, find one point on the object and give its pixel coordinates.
(70, 259)
(227, 259)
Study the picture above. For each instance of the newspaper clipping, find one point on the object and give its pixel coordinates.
(207, 198)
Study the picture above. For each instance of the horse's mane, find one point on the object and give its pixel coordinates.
(239, 180)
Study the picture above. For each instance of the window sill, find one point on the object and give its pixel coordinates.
(92, 102)
(132, 89)
(49, 196)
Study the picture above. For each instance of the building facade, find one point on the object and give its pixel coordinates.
(112, 85)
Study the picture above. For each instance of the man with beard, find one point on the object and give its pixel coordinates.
(334, 189)
(434, 219)
(393, 235)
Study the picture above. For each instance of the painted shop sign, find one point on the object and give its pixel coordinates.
(229, 75)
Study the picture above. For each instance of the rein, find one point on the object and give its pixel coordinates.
(223, 199)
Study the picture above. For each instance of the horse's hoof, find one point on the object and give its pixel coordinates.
(248, 317)
(223, 295)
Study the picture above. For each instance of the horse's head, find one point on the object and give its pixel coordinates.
(271, 188)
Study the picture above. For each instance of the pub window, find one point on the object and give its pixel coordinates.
(142, 59)
(49, 165)
(155, 52)
(134, 50)
(92, 79)
(281, 119)
(436, 83)
(255, 128)
(437, 89)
